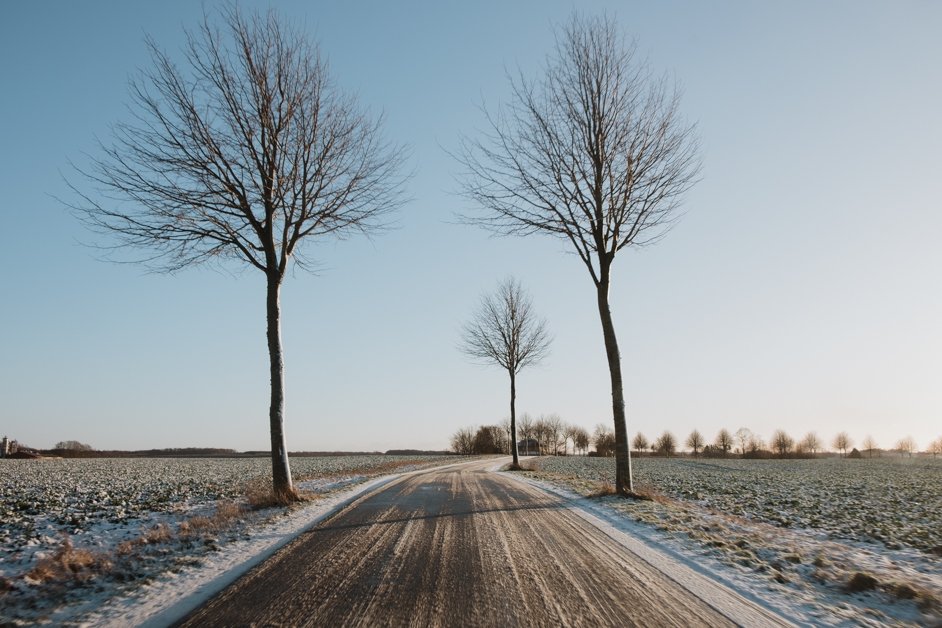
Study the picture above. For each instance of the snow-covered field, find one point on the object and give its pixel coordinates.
(76, 533)
(800, 530)
(119, 542)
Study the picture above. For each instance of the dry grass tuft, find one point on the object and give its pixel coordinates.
(195, 526)
(904, 591)
(602, 489)
(861, 581)
(259, 494)
(228, 511)
(69, 562)
(159, 533)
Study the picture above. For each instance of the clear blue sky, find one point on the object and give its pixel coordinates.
(801, 290)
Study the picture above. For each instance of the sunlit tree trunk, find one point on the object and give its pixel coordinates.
(624, 482)
(281, 469)
(513, 419)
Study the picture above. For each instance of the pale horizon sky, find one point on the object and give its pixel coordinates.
(800, 290)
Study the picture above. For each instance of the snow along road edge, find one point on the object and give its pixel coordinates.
(171, 598)
(739, 606)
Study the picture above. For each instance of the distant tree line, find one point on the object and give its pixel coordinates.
(547, 435)
(550, 435)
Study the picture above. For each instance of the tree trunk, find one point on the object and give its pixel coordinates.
(513, 420)
(280, 469)
(624, 482)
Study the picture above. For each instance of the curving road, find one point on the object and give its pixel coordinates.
(461, 546)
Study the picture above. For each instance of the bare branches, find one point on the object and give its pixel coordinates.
(246, 153)
(595, 153)
(505, 330)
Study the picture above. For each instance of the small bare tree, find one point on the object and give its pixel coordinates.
(843, 442)
(640, 443)
(935, 447)
(248, 155)
(810, 444)
(570, 433)
(743, 436)
(869, 443)
(724, 441)
(906, 445)
(695, 442)
(604, 440)
(596, 154)
(581, 440)
(554, 432)
(666, 444)
(506, 331)
(508, 433)
(526, 431)
(782, 443)
(462, 441)
(756, 445)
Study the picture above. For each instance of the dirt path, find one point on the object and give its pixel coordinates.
(465, 546)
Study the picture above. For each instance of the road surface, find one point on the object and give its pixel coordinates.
(464, 546)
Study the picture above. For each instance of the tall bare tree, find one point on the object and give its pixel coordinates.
(506, 331)
(594, 153)
(244, 152)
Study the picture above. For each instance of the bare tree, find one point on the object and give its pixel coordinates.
(604, 440)
(640, 443)
(506, 331)
(571, 433)
(666, 444)
(695, 442)
(782, 443)
(810, 444)
(596, 154)
(541, 434)
(526, 431)
(842, 442)
(248, 155)
(869, 443)
(581, 440)
(554, 432)
(906, 445)
(462, 441)
(743, 435)
(724, 441)
(756, 446)
(935, 447)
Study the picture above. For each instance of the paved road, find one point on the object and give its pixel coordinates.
(462, 546)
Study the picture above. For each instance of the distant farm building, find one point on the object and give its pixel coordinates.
(528, 447)
(7, 447)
